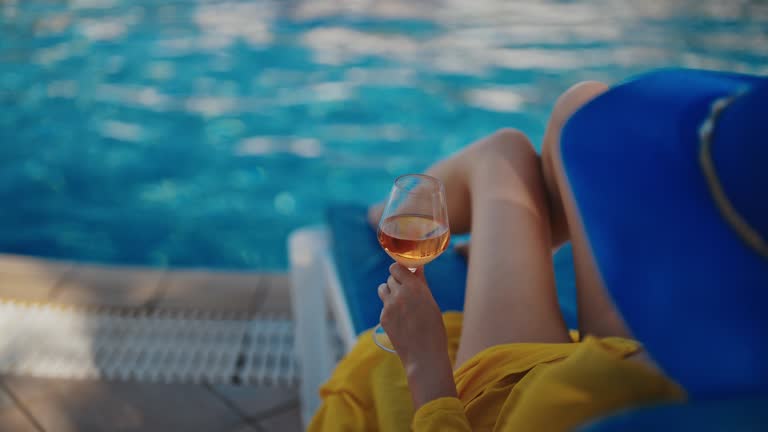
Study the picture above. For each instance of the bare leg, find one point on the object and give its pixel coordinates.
(499, 271)
(597, 315)
(518, 206)
(454, 172)
(510, 285)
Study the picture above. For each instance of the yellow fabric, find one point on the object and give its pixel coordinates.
(444, 414)
(513, 387)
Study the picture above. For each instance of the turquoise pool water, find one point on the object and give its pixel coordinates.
(199, 133)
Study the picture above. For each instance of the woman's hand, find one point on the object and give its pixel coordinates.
(410, 316)
(414, 324)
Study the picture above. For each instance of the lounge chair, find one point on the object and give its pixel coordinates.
(335, 269)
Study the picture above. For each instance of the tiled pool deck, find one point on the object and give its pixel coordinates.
(63, 405)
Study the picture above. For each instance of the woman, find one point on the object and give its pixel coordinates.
(508, 362)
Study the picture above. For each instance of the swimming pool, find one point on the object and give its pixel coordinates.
(200, 132)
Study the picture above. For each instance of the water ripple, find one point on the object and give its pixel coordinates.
(200, 132)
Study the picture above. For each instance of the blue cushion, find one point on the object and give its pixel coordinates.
(706, 416)
(689, 288)
(362, 265)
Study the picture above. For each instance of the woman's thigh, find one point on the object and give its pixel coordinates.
(510, 293)
(597, 315)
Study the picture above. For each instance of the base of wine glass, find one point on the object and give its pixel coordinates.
(381, 339)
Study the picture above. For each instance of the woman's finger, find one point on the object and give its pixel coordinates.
(419, 273)
(393, 271)
(399, 272)
(393, 284)
(383, 292)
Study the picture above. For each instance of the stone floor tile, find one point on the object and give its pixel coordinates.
(211, 291)
(257, 402)
(29, 279)
(90, 406)
(108, 286)
(284, 421)
(11, 417)
(32, 287)
(21, 264)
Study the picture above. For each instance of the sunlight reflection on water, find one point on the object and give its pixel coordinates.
(203, 131)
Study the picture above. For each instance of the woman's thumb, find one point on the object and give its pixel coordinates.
(419, 273)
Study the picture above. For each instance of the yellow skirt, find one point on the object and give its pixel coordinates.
(512, 387)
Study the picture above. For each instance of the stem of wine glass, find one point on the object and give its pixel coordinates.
(379, 330)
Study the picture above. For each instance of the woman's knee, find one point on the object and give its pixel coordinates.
(575, 97)
(508, 144)
(506, 164)
(567, 104)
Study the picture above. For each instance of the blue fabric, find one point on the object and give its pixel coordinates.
(741, 147)
(362, 265)
(749, 415)
(688, 287)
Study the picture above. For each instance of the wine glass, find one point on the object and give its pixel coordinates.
(413, 229)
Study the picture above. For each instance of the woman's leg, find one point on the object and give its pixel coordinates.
(597, 315)
(453, 171)
(510, 295)
(518, 206)
(495, 187)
